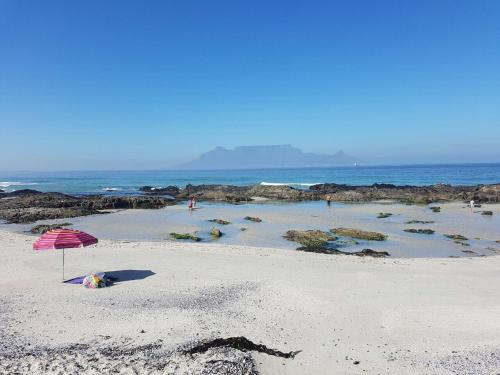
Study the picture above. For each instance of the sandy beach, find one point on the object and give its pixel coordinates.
(346, 315)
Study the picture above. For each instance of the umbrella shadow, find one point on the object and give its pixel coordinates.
(128, 275)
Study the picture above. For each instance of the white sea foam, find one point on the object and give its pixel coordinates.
(16, 183)
(111, 189)
(288, 183)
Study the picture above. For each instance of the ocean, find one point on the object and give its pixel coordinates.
(128, 182)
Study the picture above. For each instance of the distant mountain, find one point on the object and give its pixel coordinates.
(274, 156)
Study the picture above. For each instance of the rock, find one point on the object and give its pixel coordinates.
(220, 221)
(360, 234)
(236, 194)
(383, 215)
(169, 190)
(184, 236)
(487, 213)
(457, 237)
(461, 243)
(243, 229)
(42, 228)
(371, 253)
(469, 252)
(420, 222)
(26, 206)
(435, 209)
(215, 232)
(419, 231)
(309, 238)
(254, 219)
(485, 194)
(362, 253)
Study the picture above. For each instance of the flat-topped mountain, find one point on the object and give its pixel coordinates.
(273, 156)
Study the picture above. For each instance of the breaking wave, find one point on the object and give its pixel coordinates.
(289, 183)
(16, 183)
(111, 189)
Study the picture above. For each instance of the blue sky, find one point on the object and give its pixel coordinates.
(124, 85)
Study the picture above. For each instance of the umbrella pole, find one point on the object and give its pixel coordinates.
(63, 267)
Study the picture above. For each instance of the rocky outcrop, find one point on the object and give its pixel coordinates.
(236, 194)
(345, 193)
(359, 234)
(169, 190)
(100, 202)
(305, 237)
(412, 194)
(42, 228)
(485, 194)
(29, 206)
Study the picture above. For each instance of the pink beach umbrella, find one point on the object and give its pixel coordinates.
(63, 239)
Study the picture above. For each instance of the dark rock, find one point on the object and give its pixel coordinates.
(236, 194)
(28, 205)
(419, 231)
(383, 215)
(360, 234)
(254, 219)
(457, 237)
(371, 253)
(362, 253)
(220, 221)
(42, 228)
(169, 190)
(184, 236)
(420, 222)
(435, 209)
(487, 213)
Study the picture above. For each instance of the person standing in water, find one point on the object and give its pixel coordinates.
(194, 202)
(190, 203)
(471, 204)
(328, 201)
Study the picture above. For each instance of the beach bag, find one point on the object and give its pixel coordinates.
(94, 281)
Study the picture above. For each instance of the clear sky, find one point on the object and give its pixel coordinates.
(148, 84)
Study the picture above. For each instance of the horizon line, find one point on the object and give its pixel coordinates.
(173, 169)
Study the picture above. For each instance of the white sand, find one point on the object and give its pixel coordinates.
(411, 316)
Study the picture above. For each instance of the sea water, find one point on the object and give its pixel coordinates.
(128, 182)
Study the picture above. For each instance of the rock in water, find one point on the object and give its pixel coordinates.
(419, 231)
(383, 215)
(306, 237)
(487, 213)
(456, 237)
(360, 234)
(220, 221)
(184, 236)
(215, 232)
(254, 219)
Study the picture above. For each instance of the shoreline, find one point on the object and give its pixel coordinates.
(199, 292)
(26, 206)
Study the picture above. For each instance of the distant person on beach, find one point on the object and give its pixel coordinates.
(471, 204)
(194, 202)
(328, 201)
(190, 203)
